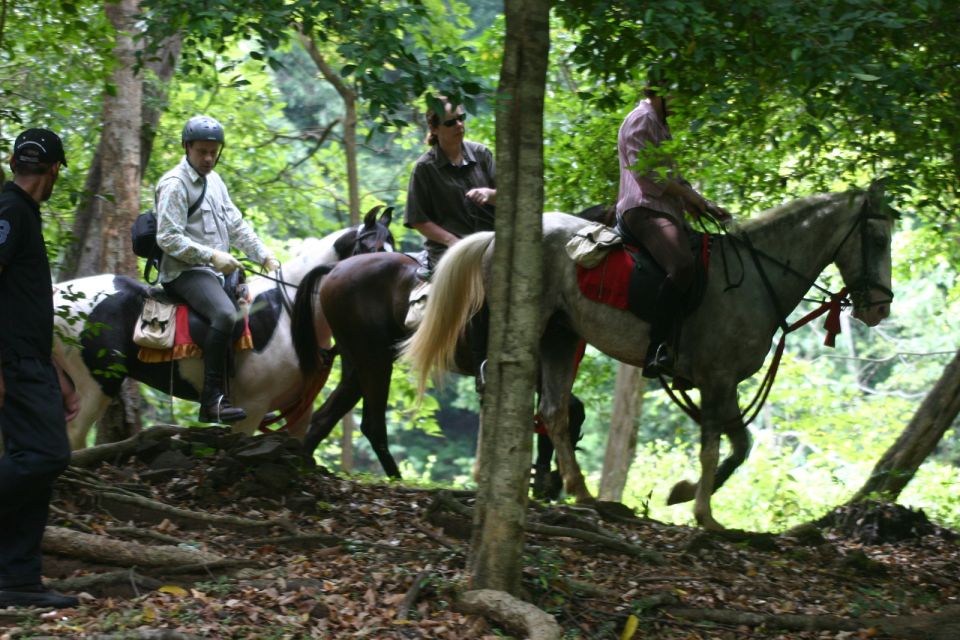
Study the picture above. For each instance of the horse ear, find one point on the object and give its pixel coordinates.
(387, 217)
(370, 219)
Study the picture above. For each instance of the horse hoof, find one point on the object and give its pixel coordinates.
(683, 491)
(709, 524)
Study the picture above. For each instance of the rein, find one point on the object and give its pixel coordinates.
(281, 285)
(832, 307)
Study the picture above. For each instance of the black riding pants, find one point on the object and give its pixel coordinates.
(36, 451)
(204, 293)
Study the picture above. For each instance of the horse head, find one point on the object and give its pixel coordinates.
(864, 258)
(372, 236)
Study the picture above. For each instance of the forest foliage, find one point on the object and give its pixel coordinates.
(773, 101)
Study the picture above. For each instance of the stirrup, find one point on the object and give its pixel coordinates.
(481, 379)
(660, 364)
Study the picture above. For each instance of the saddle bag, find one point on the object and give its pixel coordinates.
(589, 245)
(156, 327)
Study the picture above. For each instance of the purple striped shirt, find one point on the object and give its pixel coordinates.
(642, 129)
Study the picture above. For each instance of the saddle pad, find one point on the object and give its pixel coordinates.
(183, 344)
(608, 282)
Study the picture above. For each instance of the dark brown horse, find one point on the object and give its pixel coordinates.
(364, 301)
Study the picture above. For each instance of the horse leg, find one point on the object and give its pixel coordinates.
(93, 404)
(374, 379)
(558, 349)
(548, 484)
(341, 400)
(718, 408)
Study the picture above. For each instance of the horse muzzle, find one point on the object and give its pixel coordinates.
(872, 306)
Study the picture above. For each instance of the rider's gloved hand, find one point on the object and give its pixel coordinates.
(224, 262)
(271, 264)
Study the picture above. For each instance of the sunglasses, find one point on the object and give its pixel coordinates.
(454, 120)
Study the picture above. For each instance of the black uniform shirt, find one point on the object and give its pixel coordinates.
(26, 301)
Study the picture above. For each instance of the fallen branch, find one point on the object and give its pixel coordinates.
(213, 519)
(515, 615)
(93, 456)
(944, 625)
(116, 552)
(412, 594)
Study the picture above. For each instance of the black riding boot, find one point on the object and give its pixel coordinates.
(659, 358)
(214, 406)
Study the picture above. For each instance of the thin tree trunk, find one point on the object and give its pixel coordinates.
(349, 97)
(506, 440)
(120, 180)
(900, 462)
(622, 438)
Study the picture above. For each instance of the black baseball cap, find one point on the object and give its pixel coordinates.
(35, 146)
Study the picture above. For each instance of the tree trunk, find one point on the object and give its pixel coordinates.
(900, 462)
(506, 438)
(349, 97)
(106, 246)
(84, 256)
(622, 438)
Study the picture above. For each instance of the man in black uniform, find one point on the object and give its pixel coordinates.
(32, 418)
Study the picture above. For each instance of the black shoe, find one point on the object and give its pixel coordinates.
(220, 411)
(36, 595)
(659, 361)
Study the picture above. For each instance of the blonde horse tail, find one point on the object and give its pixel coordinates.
(456, 293)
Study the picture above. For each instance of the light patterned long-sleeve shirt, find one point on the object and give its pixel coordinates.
(216, 224)
(641, 130)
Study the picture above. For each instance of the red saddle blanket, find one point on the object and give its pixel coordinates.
(609, 281)
(183, 344)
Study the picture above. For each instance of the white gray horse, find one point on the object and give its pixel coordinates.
(94, 328)
(778, 255)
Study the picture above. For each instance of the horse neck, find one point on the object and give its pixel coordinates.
(805, 237)
(312, 254)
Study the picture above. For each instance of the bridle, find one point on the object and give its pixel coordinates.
(869, 277)
(859, 289)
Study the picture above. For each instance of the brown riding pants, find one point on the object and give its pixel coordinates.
(666, 240)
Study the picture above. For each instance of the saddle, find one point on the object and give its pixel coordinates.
(168, 329)
(627, 277)
(417, 302)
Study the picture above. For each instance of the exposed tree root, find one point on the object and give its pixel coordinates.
(105, 550)
(446, 501)
(944, 625)
(118, 451)
(513, 614)
(212, 519)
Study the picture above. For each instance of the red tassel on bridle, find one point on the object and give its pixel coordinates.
(832, 323)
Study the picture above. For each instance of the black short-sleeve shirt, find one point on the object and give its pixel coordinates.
(437, 192)
(26, 301)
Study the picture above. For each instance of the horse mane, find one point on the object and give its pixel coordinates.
(793, 213)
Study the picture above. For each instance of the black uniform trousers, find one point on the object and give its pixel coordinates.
(36, 451)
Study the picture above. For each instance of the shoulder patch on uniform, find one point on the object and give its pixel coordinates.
(4, 230)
